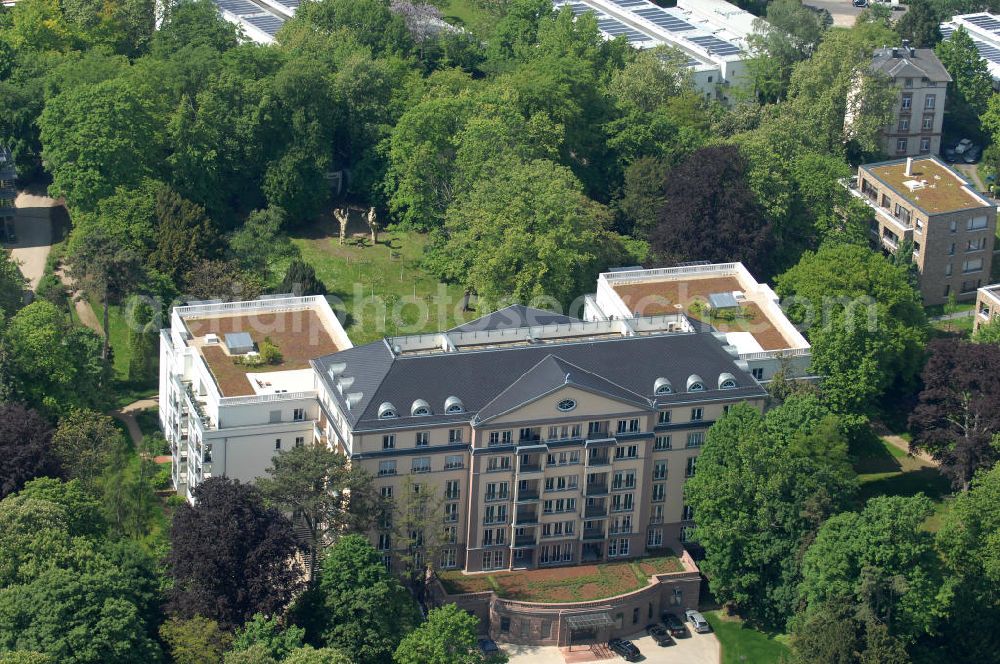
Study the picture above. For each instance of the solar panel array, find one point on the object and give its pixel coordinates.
(253, 15)
(986, 51)
(614, 28)
(985, 21)
(715, 45)
(663, 19)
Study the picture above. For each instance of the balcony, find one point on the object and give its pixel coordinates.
(527, 495)
(596, 489)
(593, 533)
(595, 511)
(526, 518)
(890, 242)
(525, 540)
(525, 468)
(492, 497)
(599, 460)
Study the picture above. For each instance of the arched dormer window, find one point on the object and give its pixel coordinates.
(662, 386)
(386, 411)
(453, 405)
(727, 381)
(695, 383)
(420, 407)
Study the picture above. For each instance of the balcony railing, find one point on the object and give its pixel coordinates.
(525, 540)
(596, 489)
(529, 468)
(594, 511)
(593, 533)
(527, 495)
(526, 518)
(602, 460)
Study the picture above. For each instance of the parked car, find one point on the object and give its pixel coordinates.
(489, 647)
(659, 634)
(674, 625)
(860, 3)
(698, 622)
(950, 155)
(972, 155)
(963, 145)
(625, 649)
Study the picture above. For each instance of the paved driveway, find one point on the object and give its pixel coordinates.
(695, 649)
(33, 225)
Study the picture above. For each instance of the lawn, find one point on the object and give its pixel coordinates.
(743, 645)
(564, 584)
(368, 283)
(886, 470)
(468, 14)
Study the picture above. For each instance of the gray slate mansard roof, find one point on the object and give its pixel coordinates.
(516, 315)
(492, 381)
(924, 62)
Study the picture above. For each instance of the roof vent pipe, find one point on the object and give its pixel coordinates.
(909, 166)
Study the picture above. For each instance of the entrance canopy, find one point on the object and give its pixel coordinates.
(590, 621)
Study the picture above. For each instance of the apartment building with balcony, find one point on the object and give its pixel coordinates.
(918, 114)
(221, 410)
(951, 226)
(552, 441)
(987, 306)
(723, 296)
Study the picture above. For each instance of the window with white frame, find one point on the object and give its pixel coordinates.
(659, 492)
(976, 224)
(454, 435)
(451, 490)
(493, 559)
(384, 541)
(662, 443)
(423, 439)
(386, 492)
(298, 414)
(387, 467)
(497, 463)
(421, 465)
(451, 512)
(972, 265)
(453, 461)
(691, 463)
(618, 547)
(688, 513)
(695, 439)
(664, 417)
(448, 558)
(388, 441)
(627, 452)
(660, 470)
(654, 537)
(697, 414)
(656, 515)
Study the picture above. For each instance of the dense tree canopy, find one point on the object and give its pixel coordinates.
(701, 219)
(26, 444)
(231, 556)
(447, 637)
(864, 320)
(762, 487)
(958, 413)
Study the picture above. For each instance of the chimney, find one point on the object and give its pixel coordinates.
(909, 167)
(895, 52)
(913, 52)
(906, 43)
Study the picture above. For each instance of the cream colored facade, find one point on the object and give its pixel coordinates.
(918, 113)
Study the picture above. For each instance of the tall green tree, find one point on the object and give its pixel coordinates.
(99, 137)
(319, 488)
(196, 640)
(268, 635)
(971, 86)
(261, 240)
(107, 271)
(864, 320)
(51, 363)
(528, 232)
(359, 607)
(184, 235)
(789, 35)
(86, 442)
(12, 284)
(921, 23)
(882, 561)
(969, 545)
(762, 487)
(448, 636)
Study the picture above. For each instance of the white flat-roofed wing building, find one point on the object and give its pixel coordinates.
(224, 411)
(711, 33)
(984, 29)
(724, 296)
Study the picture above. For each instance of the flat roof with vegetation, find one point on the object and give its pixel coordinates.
(940, 190)
(576, 583)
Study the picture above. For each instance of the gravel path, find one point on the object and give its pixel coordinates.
(33, 225)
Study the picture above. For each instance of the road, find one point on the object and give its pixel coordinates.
(843, 12)
(33, 225)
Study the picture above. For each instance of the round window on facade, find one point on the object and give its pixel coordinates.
(566, 405)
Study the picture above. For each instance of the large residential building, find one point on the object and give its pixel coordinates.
(712, 34)
(951, 227)
(985, 32)
(723, 295)
(551, 443)
(987, 306)
(918, 114)
(550, 440)
(221, 411)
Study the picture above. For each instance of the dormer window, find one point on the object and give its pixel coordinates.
(727, 381)
(695, 383)
(420, 407)
(386, 411)
(453, 405)
(662, 386)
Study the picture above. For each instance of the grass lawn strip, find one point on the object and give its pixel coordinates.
(742, 645)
